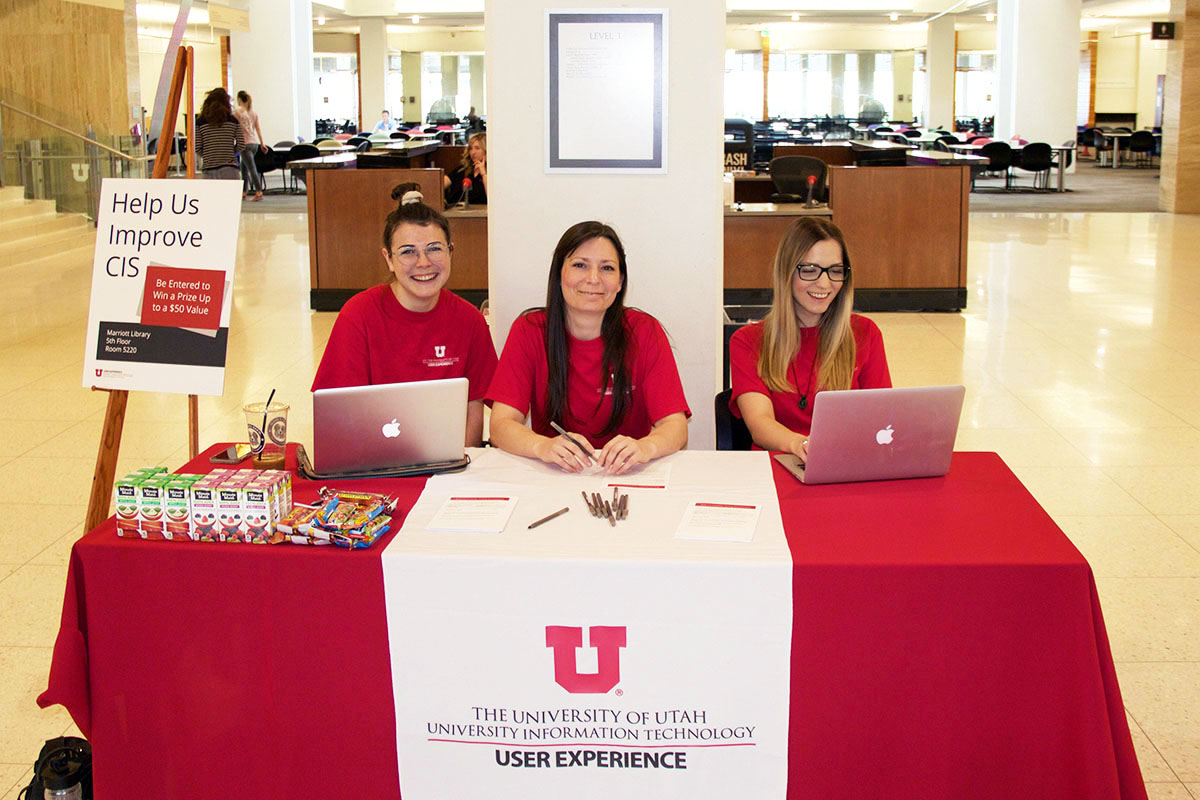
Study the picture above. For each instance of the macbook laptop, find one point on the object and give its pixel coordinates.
(880, 434)
(391, 428)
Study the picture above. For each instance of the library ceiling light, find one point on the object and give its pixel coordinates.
(893, 16)
(320, 20)
(795, 16)
(990, 16)
(416, 19)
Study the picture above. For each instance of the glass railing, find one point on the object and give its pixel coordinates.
(62, 160)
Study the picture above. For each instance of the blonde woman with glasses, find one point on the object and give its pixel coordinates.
(412, 328)
(809, 341)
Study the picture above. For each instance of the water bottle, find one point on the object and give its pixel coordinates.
(61, 777)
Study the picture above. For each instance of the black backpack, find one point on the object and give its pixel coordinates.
(66, 755)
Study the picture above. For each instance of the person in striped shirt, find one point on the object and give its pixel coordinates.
(219, 137)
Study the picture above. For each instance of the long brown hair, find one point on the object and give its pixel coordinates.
(781, 330)
(216, 110)
(612, 331)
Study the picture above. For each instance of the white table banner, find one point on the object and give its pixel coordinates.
(583, 660)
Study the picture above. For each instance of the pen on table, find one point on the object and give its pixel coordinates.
(588, 500)
(549, 517)
(586, 450)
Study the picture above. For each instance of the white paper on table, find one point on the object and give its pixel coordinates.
(473, 514)
(652, 475)
(718, 522)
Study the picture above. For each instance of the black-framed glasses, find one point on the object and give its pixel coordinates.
(434, 251)
(810, 272)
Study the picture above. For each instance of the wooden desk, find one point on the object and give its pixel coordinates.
(398, 154)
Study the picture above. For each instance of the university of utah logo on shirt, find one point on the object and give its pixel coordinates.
(439, 358)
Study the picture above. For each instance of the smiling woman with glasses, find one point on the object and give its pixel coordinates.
(412, 328)
(809, 340)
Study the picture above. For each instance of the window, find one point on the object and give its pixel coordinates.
(743, 84)
(975, 85)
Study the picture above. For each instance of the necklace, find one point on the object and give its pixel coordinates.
(808, 383)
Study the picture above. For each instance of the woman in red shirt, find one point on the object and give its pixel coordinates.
(602, 371)
(808, 341)
(412, 328)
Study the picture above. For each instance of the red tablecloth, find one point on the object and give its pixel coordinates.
(947, 642)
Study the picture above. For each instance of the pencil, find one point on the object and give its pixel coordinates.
(586, 451)
(548, 517)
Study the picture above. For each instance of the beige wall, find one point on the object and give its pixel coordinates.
(65, 62)
(1116, 73)
(207, 72)
(1152, 62)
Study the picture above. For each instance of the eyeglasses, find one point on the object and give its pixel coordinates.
(409, 254)
(811, 272)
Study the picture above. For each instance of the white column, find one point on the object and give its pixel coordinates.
(450, 79)
(372, 68)
(410, 76)
(902, 86)
(1038, 58)
(273, 62)
(478, 97)
(671, 224)
(837, 96)
(939, 73)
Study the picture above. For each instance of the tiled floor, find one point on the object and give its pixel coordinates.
(1079, 353)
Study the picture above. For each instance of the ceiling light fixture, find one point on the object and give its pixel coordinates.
(893, 16)
(990, 16)
(320, 20)
(795, 16)
(416, 19)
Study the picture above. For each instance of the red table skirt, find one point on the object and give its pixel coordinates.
(947, 642)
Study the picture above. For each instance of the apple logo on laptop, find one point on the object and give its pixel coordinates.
(884, 436)
(391, 429)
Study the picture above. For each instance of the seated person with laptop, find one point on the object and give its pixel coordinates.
(602, 373)
(808, 342)
(412, 328)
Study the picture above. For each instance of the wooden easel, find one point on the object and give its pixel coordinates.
(118, 399)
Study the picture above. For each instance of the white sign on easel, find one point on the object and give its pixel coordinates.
(162, 285)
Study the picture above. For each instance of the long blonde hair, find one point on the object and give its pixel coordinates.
(466, 159)
(781, 330)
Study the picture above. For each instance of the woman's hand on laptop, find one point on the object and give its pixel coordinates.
(799, 447)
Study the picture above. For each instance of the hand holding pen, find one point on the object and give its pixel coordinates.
(567, 451)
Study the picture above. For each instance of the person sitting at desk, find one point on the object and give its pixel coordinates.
(474, 166)
(385, 125)
(808, 333)
(604, 371)
(413, 328)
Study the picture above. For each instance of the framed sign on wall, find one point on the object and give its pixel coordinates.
(606, 101)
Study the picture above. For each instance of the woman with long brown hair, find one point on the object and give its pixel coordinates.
(219, 137)
(604, 372)
(474, 168)
(809, 340)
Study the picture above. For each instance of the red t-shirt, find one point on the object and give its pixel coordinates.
(377, 340)
(870, 369)
(523, 375)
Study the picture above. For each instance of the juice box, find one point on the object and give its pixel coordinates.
(258, 521)
(229, 511)
(125, 491)
(202, 507)
(150, 506)
(175, 511)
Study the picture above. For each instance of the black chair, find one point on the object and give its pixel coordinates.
(941, 145)
(295, 154)
(267, 161)
(401, 135)
(1000, 158)
(732, 433)
(1102, 145)
(1122, 129)
(790, 175)
(1142, 145)
(911, 133)
(362, 146)
(1038, 158)
(284, 145)
(355, 141)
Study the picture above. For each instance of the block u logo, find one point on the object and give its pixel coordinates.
(608, 641)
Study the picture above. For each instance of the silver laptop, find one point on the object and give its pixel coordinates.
(390, 426)
(880, 434)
